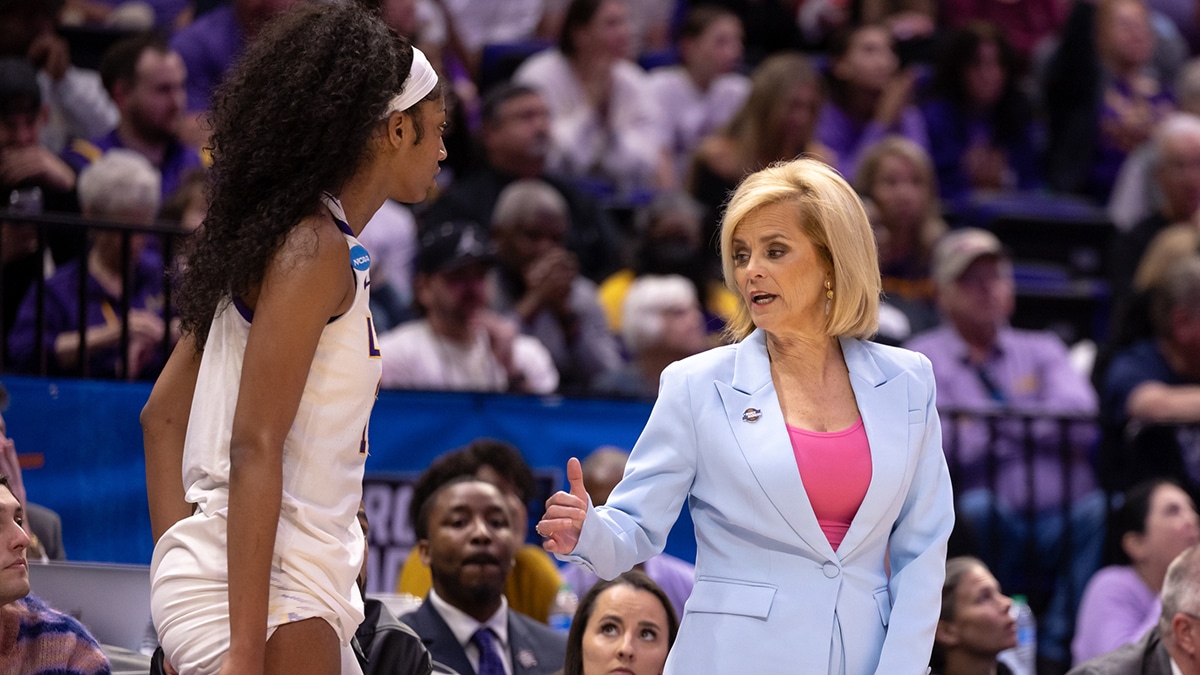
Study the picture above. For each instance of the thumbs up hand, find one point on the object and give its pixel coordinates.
(563, 520)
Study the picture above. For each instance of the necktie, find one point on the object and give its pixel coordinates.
(490, 662)
(990, 385)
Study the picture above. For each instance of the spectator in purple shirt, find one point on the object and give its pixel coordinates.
(146, 80)
(869, 97)
(119, 187)
(1156, 522)
(980, 363)
(985, 126)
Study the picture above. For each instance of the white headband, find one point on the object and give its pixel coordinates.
(421, 80)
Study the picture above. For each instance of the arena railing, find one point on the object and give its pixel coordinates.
(61, 238)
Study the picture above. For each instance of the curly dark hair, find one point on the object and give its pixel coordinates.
(293, 119)
(959, 51)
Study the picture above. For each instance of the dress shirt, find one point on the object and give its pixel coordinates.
(464, 626)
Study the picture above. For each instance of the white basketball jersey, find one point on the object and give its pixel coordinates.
(318, 544)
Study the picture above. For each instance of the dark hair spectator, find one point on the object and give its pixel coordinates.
(582, 652)
(985, 126)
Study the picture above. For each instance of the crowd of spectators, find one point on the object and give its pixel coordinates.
(569, 246)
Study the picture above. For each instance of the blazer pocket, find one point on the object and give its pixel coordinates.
(884, 601)
(916, 416)
(731, 597)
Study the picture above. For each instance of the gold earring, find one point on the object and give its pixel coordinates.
(828, 296)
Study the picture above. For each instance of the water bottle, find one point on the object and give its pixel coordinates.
(563, 609)
(1022, 659)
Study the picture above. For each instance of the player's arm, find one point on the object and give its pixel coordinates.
(164, 428)
(308, 281)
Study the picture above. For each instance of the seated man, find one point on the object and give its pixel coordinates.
(1154, 385)
(1171, 646)
(464, 534)
(539, 284)
(984, 366)
(33, 637)
(516, 139)
(533, 580)
(145, 78)
(602, 470)
(75, 99)
(460, 343)
(662, 324)
(32, 180)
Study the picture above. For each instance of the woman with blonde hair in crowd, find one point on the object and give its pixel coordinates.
(776, 123)
(897, 178)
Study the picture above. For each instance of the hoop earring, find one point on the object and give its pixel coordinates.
(828, 296)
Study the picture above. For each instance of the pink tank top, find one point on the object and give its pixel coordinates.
(836, 469)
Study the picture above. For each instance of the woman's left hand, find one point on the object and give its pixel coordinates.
(563, 521)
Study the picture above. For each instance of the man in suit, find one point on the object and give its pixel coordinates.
(1173, 645)
(464, 535)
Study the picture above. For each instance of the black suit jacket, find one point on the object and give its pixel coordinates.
(1147, 656)
(535, 648)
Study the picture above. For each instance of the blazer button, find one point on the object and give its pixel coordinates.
(830, 569)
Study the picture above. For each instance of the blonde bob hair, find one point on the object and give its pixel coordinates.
(831, 216)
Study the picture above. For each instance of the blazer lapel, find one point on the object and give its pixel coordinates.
(522, 647)
(440, 640)
(764, 442)
(883, 405)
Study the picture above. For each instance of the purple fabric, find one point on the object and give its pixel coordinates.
(676, 577)
(1034, 373)
(1109, 157)
(178, 160)
(61, 303)
(490, 662)
(209, 45)
(849, 138)
(956, 132)
(1117, 608)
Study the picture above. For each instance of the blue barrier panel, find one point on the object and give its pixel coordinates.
(94, 474)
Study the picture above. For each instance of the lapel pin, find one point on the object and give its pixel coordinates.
(526, 659)
(751, 415)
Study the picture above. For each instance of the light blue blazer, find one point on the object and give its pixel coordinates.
(771, 594)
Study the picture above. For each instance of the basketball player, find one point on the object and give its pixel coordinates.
(263, 406)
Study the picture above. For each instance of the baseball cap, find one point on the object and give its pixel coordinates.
(19, 91)
(956, 250)
(451, 245)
